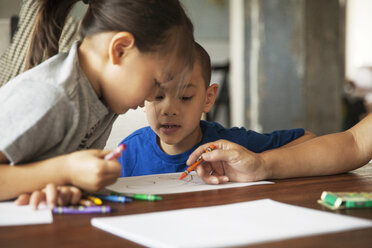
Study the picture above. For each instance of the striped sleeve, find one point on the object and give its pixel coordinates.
(13, 60)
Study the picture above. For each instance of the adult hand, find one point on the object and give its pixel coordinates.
(52, 195)
(228, 162)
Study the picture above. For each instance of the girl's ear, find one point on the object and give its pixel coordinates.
(120, 44)
(210, 97)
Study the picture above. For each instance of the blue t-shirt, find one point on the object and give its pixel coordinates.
(143, 155)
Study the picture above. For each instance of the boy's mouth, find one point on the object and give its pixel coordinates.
(169, 128)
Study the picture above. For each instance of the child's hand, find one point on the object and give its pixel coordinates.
(52, 195)
(89, 171)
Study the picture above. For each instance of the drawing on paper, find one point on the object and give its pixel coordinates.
(168, 184)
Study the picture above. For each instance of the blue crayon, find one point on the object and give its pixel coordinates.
(115, 198)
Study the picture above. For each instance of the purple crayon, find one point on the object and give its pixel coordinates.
(82, 210)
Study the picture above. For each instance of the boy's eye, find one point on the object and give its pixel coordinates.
(158, 98)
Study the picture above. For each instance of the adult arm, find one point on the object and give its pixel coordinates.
(307, 136)
(324, 155)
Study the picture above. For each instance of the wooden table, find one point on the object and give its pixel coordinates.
(76, 230)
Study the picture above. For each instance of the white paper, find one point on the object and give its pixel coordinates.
(169, 184)
(227, 225)
(11, 215)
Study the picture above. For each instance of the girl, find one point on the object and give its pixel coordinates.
(68, 103)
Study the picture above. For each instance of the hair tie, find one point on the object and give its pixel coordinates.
(86, 1)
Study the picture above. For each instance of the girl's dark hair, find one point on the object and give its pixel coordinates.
(157, 26)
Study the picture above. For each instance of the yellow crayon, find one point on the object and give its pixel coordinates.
(96, 200)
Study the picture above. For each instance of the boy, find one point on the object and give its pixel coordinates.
(176, 130)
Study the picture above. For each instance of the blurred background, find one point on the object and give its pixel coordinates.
(280, 63)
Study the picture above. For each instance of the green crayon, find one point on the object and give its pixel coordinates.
(144, 197)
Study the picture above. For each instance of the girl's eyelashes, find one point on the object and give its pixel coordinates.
(182, 98)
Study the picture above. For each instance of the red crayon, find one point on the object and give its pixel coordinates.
(199, 161)
(115, 153)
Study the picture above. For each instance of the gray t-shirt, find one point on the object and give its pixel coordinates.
(51, 110)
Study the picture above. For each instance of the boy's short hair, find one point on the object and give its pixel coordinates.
(203, 59)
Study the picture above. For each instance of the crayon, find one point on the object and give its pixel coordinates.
(116, 198)
(82, 210)
(94, 199)
(115, 153)
(199, 161)
(86, 203)
(144, 197)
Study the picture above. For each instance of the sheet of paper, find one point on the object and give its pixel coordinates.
(169, 184)
(227, 225)
(11, 215)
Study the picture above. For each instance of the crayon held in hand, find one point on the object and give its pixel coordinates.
(199, 161)
(115, 153)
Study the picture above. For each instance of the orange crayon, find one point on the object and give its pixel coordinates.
(199, 161)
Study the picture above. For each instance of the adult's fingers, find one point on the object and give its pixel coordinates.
(23, 199)
(211, 174)
(219, 144)
(197, 153)
(214, 178)
(221, 155)
(203, 169)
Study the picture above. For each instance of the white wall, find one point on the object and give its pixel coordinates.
(358, 35)
(237, 62)
(125, 125)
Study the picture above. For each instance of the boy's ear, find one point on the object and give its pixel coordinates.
(210, 97)
(120, 44)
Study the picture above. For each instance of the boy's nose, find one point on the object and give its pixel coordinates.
(170, 113)
(169, 108)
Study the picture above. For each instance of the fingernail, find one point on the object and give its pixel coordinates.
(214, 180)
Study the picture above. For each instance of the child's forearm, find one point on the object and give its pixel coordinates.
(307, 136)
(85, 169)
(15, 180)
(329, 154)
